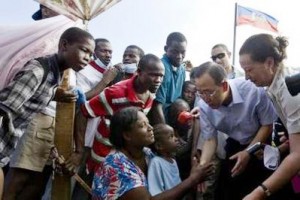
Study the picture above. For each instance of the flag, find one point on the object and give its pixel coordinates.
(255, 18)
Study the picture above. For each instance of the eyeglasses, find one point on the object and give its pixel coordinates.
(206, 94)
(220, 56)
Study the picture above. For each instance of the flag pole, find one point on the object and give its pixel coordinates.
(234, 35)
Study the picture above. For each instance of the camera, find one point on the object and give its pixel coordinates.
(293, 84)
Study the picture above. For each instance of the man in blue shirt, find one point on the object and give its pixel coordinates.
(239, 109)
(171, 87)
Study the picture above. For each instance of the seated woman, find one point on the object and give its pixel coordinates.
(122, 175)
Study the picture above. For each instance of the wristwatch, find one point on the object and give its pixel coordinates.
(266, 190)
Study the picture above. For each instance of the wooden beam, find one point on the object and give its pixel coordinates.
(64, 123)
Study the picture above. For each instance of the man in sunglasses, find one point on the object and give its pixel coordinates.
(221, 55)
(242, 111)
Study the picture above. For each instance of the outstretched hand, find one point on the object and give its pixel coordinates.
(242, 158)
(200, 172)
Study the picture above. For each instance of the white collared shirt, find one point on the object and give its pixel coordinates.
(286, 105)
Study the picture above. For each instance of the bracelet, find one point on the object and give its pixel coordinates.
(266, 190)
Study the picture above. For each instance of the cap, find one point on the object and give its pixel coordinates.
(38, 14)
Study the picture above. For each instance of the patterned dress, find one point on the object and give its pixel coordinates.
(118, 175)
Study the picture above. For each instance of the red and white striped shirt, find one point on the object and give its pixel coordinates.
(104, 105)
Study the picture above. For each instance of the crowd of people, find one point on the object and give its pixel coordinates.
(143, 130)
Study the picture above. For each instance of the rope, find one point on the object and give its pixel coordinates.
(59, 168)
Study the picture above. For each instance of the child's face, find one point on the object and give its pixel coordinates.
(78, 54)
(189, 93)
(169, 141)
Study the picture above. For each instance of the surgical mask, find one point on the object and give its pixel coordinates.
(129, 68)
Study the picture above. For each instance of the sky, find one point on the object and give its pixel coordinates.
(147, 23)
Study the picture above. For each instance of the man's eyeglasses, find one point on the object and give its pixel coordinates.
(206, 94)
(220, 56)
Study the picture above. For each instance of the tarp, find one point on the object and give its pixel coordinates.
(19, 44)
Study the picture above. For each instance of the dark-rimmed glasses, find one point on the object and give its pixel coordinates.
(206, 94)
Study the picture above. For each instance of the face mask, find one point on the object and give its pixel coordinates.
(130, 68)
(271, 157)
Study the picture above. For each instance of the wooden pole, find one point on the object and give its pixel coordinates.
(234, 34)
(65, 112)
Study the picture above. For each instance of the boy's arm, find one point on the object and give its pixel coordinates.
(156, 113)
(79, 137)
(108, 76)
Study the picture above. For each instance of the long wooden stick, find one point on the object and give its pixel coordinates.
(65, 112)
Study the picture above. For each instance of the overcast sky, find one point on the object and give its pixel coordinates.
(147, 23)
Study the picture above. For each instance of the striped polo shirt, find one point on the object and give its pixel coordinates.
(104, 105)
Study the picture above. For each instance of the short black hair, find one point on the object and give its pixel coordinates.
(122, 121)
(158, 132)
(75, 34)
(216, 71)
(192, 74)
(175, 36)
(186, 84)
(140, 50)
(101, 40)
(146, 59)
(223, 46)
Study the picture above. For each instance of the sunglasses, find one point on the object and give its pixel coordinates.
(220, 56)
